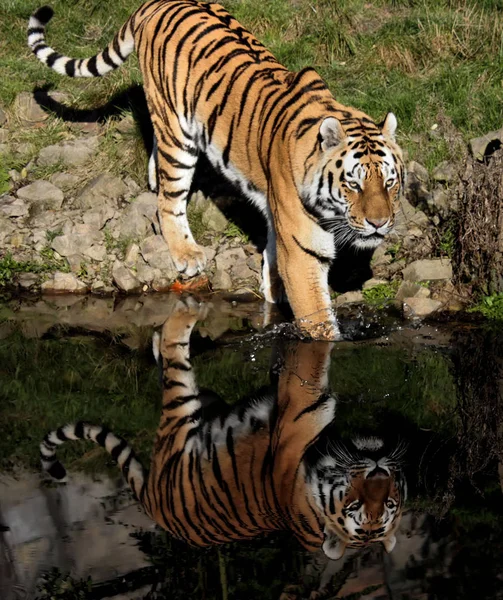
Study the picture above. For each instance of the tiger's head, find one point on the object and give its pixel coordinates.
(360, 491)
(356, 179)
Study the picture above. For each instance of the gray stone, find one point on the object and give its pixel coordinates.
(410, 289)
(199, 202)
(99, 217)
(76, 261)
(4, 136)
(3, 116)
(221, 281)
(65, 181)
(4, 149)
(370, 283)
(145, 273)
(380, 256)
(79, 243)
(210, 253)
(229, 259)
(349, 298)
(24, 149)
(214, 219)
(418, 171)
(73, 153)
(479, 145)
(13, 207)
(428, 270)
(132, 254)
(156, 254)
(136, 221)
(420, 307)
(42, 195)
(102, 189)
(445, 172)
(7, 228)
(27, 110)
(254, 262)
(27, 281)
(124, 279)
(63, 282)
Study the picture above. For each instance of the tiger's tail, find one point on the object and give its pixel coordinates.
(107, 60)
(119, 449)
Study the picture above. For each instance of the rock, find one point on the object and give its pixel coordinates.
(104, 188)
(210, 253)
(228, 259)
(63, 282)
(42, 195)
(65, 181)
(124, 279)
(27, 281)
(156, 254)
(3, 116)
(484, 144)
(381, 256)
(126, 125)
(370, 283)
(99, 217)
(349, 298)
(428, 270)
(73, 153)
(419, 307)
(17, 239)
(76, 261)
(198, 202)
(4, 149)
(7, 228)
(4, 136)
(13, 207)
(27, 110)
(144, 273)
(408, 216)
(418, 171)
(254, 262)
(410, 289)
(221, 281)
(80, 243)
(445, 172)
(132, 254)
(136, 221)
(214, 219)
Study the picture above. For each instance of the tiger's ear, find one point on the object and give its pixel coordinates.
(389, 543)
(388, 126)
(331, 133)
(333, 547)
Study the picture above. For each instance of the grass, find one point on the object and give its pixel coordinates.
(420, 59)
(10, 268)
(380, 295)
(490, 306)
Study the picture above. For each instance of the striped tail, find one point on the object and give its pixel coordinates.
(110, 58)
(120, 450)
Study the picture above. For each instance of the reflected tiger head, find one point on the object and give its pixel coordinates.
(360, 490)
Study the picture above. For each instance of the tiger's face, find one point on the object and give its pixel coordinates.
(361, 493)
(356, 192)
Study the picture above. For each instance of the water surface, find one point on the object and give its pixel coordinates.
(433, 391)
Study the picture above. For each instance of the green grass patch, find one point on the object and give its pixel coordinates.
(380, 295)
(10, 268)
(490, 306)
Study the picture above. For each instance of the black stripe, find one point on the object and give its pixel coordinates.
(118, 449)
(322, 398)
(52, 58)
(108, 59)
(35, 30)
(93, 67)
(79, 429)
(322, 259)
(57, 470)
(102, 436)
(70, 68)
(61, 435)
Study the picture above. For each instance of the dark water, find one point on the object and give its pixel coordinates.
(254, 434)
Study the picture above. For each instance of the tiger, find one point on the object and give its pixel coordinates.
(324, 175)
(220, 473)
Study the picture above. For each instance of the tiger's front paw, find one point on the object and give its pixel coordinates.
(189, 259)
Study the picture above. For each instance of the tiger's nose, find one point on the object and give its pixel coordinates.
(377, 222)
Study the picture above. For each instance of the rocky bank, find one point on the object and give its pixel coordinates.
(69, 225)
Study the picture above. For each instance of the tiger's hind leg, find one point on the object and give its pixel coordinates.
(176, 161)
(272, 286)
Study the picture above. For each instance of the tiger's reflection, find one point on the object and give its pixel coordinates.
(221, 473)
